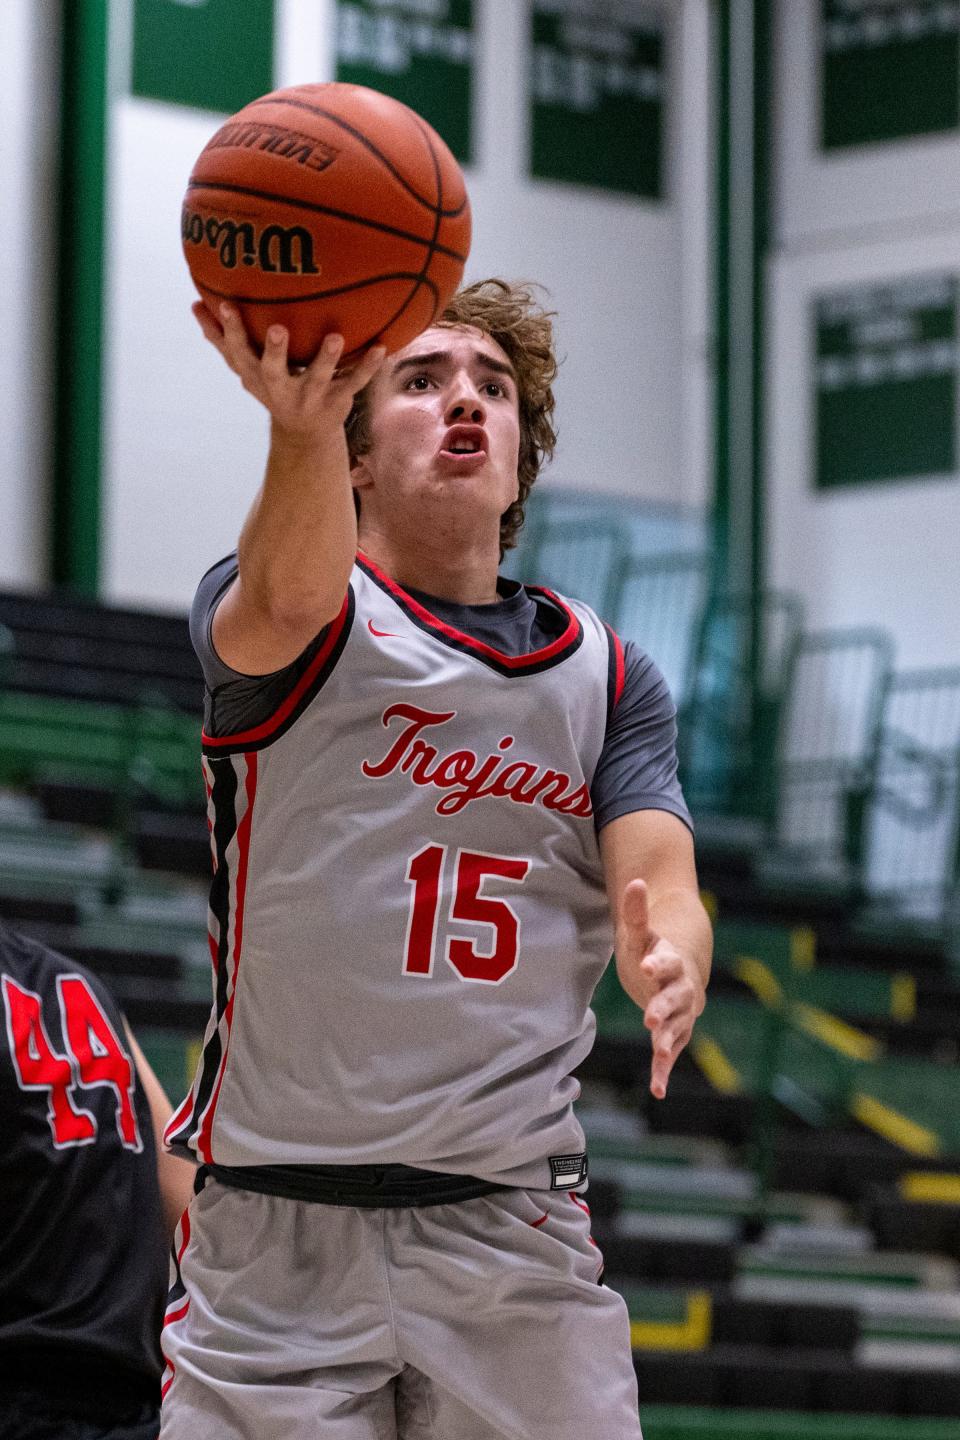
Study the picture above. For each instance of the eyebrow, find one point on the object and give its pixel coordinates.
(437, 357)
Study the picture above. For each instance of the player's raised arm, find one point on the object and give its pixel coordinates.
(298, 542)
(663, 939)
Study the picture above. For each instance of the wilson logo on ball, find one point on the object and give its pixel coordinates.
(275, 249)
(288, 144)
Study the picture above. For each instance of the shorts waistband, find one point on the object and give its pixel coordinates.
(367, 1187)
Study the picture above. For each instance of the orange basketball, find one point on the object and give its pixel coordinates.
(327, 208)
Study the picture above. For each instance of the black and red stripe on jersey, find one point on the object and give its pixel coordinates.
(308, 685)
(231, 789)
(561, 648)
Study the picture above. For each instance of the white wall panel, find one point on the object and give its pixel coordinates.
(885, 553)
(27, 128)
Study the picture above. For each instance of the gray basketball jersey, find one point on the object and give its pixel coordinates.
(408, 915)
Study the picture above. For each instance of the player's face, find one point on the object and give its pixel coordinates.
(444, 429)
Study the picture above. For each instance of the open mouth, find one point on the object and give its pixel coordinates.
(463, 442)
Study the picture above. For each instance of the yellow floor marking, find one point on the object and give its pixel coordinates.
(693, 1333)
(803, 948)
(836, 1033)
(893, 1126)
(193, 1053)
(931, 1188)
(903, 997)
(715, 1065)
(761, 980)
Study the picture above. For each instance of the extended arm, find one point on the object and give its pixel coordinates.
(176, 1176)
(299, 539)
(663, 937)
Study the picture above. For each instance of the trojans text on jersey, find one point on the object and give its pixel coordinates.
(464, 775)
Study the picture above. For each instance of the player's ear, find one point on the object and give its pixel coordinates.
(359, 474)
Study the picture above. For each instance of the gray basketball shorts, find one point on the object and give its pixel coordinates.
(480, 1320)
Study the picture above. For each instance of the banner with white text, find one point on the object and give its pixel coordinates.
(886, 381)
(418, 51)
(597, 94)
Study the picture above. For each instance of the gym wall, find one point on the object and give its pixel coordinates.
(183, 447)
(28, 122)
(863, 490)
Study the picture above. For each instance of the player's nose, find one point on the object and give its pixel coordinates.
(464, 402)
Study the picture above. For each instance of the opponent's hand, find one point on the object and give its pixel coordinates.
(665, 983)
(305, 404)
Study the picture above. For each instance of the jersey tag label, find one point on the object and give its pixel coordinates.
(568, 1170)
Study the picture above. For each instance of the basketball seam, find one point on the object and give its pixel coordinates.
(420, 279)
(433, 247)
(366, 143)
(220, 185)
(438, 214)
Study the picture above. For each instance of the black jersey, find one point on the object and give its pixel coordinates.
(82, 1249)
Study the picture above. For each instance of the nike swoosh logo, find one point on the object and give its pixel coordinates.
(381, 634)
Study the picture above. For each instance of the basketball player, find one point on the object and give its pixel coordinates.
(83, 1219)
(436, 798)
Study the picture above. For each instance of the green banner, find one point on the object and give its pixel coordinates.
(210, 54)
(886, 381)
(418, 51)
(597, 81)
(890, 69)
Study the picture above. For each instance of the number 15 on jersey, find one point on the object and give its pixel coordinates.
(487, 961)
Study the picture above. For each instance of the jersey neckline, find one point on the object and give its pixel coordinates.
(525, 664)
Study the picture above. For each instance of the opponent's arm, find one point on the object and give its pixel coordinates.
(663, 939)
(175, 1175)
(299, 539)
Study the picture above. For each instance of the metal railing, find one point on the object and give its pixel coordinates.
(730, 715)
(658, 601)
(906, 816)
(581, 558)
(827, 744)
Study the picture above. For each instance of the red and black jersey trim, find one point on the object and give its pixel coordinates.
(178, 1301)
(616, 670)
(308, 685)
(533, 663)
(191, 1114)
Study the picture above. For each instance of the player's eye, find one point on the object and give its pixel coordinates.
(417, 382)
(495, 388)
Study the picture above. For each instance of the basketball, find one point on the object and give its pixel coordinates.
(327, 208)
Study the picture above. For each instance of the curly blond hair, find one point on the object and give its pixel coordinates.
(510, 315)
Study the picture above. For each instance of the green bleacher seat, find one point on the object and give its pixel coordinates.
(688, 1422)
